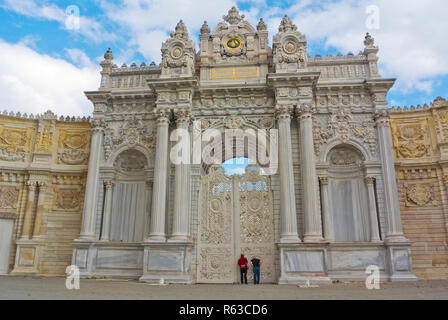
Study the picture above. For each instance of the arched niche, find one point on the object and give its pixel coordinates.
(347, 195)
(130, 197)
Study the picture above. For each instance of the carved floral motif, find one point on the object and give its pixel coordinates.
(67, 199)
(73, 147)
(409, 140)
(342, 125)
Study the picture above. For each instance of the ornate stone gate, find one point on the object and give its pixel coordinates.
(236, 217)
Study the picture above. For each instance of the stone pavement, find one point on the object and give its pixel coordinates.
(54, 288)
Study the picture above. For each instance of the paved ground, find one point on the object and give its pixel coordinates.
(54, 288)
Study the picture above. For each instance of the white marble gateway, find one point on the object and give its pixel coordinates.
(328, 212)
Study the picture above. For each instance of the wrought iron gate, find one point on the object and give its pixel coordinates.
(235, 217)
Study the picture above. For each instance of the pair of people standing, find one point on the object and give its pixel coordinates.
(243, 264)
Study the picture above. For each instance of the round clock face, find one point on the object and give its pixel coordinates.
(233, 43)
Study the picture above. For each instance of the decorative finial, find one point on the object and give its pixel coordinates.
(261, 25)
(233, 17)
(181, 31)
(205, 29)
(287, 25)
(369, 41)
(108, 56)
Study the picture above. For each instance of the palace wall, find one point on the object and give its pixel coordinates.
(419, 139)
(43, 166)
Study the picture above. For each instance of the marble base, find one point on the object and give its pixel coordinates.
(27, 257)
(167, 261)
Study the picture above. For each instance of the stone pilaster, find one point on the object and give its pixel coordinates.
(109, 185)
(40, 209)
(29, 209)
(394, 230)
(91, 198)
(158, 208)
(374, 230)
(181, 185)
(313, 226)
(288, 213)
(327, 220)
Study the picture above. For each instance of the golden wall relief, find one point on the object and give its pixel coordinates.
(73, 147)
(410, 140)
(44, 140)
(14, 142)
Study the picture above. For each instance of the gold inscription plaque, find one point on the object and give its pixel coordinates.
(234, 73)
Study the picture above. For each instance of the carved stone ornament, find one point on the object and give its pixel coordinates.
(344, 157)
(233, 17)
(289, 46)
(343, 126)
(178, 51)
(44, 140)
(132, 132)
(67, 199)
(8, 197)
(409, 140)
(419, 195)
(234, 122)
(131, 161)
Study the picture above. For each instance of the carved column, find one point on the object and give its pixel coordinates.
(181, 182)
(29, 209)
(40, 209)
(109, 184)
(91, 198)
(158, 208)
(328, 221)
(374, 230)
(288, 213)
(394, 230)
(313, 226)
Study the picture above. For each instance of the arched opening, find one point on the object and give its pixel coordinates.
(130, 197)
(347, 195)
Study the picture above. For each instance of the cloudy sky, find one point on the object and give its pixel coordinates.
(47, 58)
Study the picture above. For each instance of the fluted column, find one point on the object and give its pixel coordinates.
(181, 181)
(374, 230)
(109, 184)
(29, 209)
(313, 226)
(288, 213)
(394, 230)
(91, 197)
(158, 208)
(328, 221)
(40, 209)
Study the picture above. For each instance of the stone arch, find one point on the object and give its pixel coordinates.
(347, 194)
(138, 147)
(336, 142)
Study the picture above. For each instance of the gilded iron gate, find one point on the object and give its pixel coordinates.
(236, 217)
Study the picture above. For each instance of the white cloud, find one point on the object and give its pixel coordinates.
(87, 27)
(149, 22)
(33, 83)
(410, 37)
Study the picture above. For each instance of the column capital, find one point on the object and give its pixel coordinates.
(284, 112)
(369, 180)
(305, 111)
(109, 184)
(31, 184)
(382, 118)
(98, 125)
(163, 115)
(182, 115)
(323, 181)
